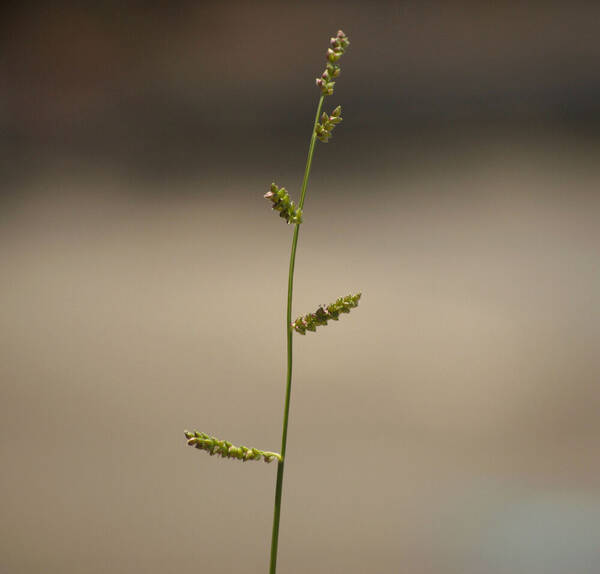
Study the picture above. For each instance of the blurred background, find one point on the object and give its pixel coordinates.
(449, 425)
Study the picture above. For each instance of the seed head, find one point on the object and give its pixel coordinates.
(337, 47)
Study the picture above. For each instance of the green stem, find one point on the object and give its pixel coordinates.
(289, 331)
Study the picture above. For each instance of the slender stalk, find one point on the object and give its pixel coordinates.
(289, 332)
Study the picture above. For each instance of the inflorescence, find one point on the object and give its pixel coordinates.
(337, 47)
(282, 203)
(225, 449)
(327, 124)
(323, 314)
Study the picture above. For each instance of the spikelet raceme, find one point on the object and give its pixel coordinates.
(282, 203)
(323, 314)
(338, 45)
(327, 124)
(225, 449)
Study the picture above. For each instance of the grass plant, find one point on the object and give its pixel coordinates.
(293, 214)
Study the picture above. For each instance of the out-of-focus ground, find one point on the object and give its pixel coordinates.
(448, 425)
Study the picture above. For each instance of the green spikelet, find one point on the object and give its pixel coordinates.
(283, 204)
(327, 124)
(323, 314)
(338, 46)
(225, 449)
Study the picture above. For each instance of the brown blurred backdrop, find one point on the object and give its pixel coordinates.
(449, 425)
